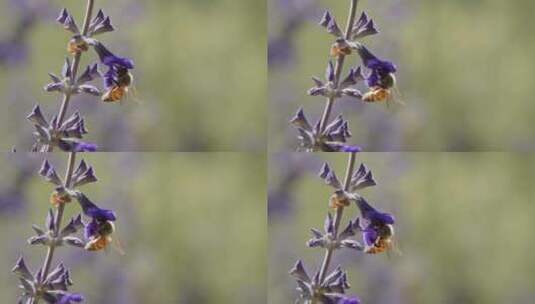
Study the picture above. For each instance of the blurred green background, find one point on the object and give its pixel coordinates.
(200, 74)
(193, 226)
(464, 71)
(464, 226)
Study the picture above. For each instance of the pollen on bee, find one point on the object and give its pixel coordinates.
(338, 201)
(57, 198)
(376, 94)
(116, 93)
(76, 45)
(337, 50)
(96, 244)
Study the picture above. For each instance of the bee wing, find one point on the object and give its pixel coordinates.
(394, 102)
(118, 247)
(394, 249)
(131, 94)
(134, 94)
(107, 247)
(396, 95)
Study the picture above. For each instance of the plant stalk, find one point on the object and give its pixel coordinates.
(74, 70)
(337, 218)
(338, 67)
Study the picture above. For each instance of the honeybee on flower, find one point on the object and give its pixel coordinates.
(77, 45)
(381, 80)
(101, 238)
(377, 229)
(118, 80)
(99, 231)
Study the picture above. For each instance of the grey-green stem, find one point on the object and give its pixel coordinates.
(337, 218)
(57, 220)
(74, 70)
(338, 67)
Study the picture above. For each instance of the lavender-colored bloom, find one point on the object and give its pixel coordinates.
(117, 65)
(83, 175)
(373, 222)
(67, 20)
(348, 300)
(329, 23)
(338, 147)
(49, 174)
(93, 211)
(64, 85)
(363, 27)
(100, 24)
(84, 147)
(100, 218)
(69, 298)
(91, 72)
(109, 59)
(330, 90)
(380, 69)
(332, 139)
(67, 136)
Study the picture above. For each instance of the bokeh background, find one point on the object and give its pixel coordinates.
(200, 74)
(464, 226)
(193, 226)
(464, 71)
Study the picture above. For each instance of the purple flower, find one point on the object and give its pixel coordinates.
(67, 136)
(117, 74)
(100, 24)
(98, 215)
(109, 59)
(332, 139)
(374, 224)
(340, 147)
(72, 145)
(69, 298)
(371, 214)
(92, 210)
(67, 20)
(363, 27)
(84, 147)
(380, 69)
(348, 300)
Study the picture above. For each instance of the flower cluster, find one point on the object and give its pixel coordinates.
(379, 79)
(332, 139)
(66, 135)
(375, 227)
(52, 286)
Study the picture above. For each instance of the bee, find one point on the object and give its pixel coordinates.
(77, 45)
(339, 200)
(104, 239)
(386, 91)
(121, 86)
(340, 48)
(57, 198)
(384, 242)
